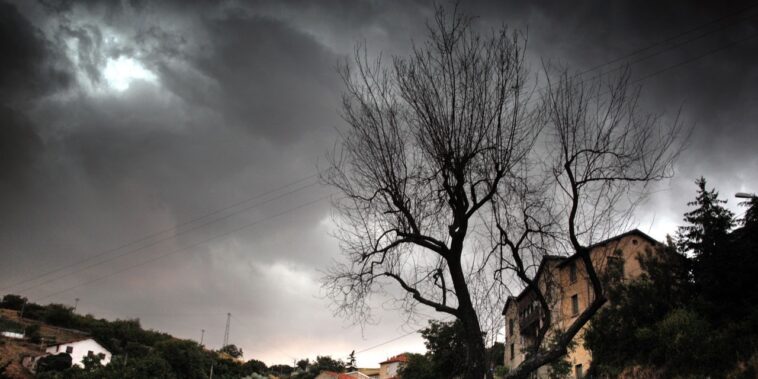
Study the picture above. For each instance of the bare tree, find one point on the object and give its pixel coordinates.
(603, 153)
(451, 192)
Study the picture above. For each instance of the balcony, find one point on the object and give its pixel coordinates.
(529, 312)
(530, 319)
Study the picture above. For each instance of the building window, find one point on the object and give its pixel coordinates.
(615, 271)
(90, 353)
(575, 305)
(572, 272)
(578, 372)
(69, 349)
(510, 327)
(513, 352)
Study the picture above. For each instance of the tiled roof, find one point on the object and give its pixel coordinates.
(337, 375)
(564, 260)
(402, 358)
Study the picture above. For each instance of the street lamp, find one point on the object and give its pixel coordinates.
(745, 195)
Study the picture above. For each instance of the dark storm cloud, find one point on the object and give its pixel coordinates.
(30, 67)
(272, 78)
(19, 147)
(706, 75)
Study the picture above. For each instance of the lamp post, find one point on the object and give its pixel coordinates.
(745, 195)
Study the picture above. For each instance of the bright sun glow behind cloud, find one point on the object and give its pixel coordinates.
(121, 72)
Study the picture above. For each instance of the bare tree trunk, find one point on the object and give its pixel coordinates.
(476, 359)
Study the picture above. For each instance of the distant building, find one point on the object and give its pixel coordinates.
(79, 349)
(14, 335)
(567, 288)
(390, 368)
(371, 373)
(333, 375)
(358, 374)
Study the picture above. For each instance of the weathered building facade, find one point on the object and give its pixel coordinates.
(567, 289)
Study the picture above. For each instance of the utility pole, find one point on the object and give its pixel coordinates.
(211, 374)
(202, 335)
(226, 333)
(76, 303)
(23, 306)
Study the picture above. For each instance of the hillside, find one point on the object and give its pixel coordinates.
(12, 351)
(137, 352)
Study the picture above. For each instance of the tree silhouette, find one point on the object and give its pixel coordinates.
(455, 186)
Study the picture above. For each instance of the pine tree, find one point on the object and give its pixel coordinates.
(709, 223)
(706, 237)
(351, 361)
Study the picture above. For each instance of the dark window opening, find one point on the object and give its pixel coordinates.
(69, 349)
(513, 352)
(578, 372)
(572, 272)
(575, 305)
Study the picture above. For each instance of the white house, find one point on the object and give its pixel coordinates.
(390, 368)
(80, 349)
(15, 335)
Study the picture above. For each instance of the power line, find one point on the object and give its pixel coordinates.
(169, 237)
(669, 39)
(158, 233)
(697, 57)
(389, 341)
(201, 242)
(672, 47)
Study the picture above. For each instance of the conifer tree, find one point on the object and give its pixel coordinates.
(709, 223)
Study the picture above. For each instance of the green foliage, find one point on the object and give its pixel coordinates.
(693, 316)
(281, 369)
(232, 350)
(751, 214)
(59, 315)
(14, 302)
(32, 333)
(418, 367)
(254, 366)
(151, 366)
(559, 368)
(496, 354)
(186, 358)
(303, 364)
(150, 354)
(445, 347)
(58, 362)
(350, 365)
(11, 326)
(446, 352)
(501, 371)
(709, 223)
(327, 363)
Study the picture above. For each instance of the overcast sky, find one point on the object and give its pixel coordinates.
(123, 123)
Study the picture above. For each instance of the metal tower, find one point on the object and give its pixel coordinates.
(226, 332)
